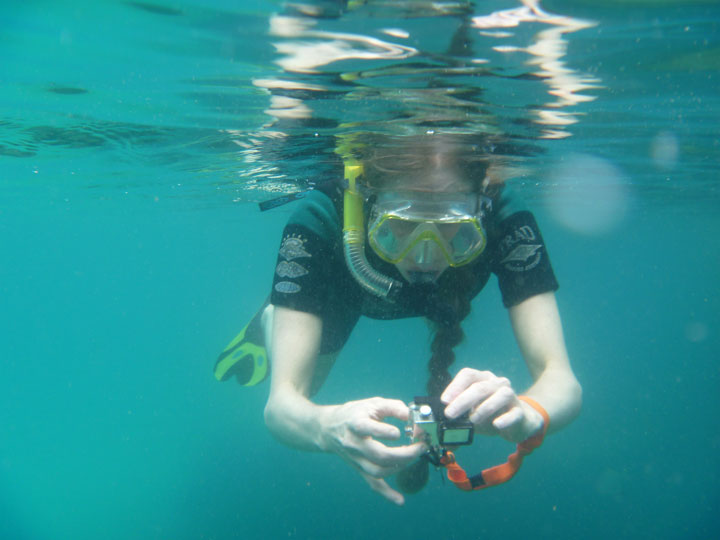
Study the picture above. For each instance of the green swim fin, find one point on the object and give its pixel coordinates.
(245, 356)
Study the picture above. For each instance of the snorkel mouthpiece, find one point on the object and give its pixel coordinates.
(354, 240)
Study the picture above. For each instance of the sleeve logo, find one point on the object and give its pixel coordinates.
(523, 253)
(290, 270)
(293, 247)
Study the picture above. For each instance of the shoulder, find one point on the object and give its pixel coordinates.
(317, 213)
(519, 255)
(512, 223)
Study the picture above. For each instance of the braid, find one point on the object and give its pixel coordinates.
(448, 333)
(443, 356)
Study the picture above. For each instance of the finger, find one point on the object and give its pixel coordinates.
(383, 488)
(475, 394)
(367, 427)
(372, 470)
(509, 419)
(462, 381)
(392, 456)
(384, 408)
(502, 399)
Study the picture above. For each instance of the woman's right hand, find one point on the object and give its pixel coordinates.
(351, 430)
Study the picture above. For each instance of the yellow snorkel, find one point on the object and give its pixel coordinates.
(354, 239)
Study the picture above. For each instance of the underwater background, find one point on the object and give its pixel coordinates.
(132, 250)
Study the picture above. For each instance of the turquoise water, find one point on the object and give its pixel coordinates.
(133, 251)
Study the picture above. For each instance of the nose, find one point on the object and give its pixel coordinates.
(426, 254)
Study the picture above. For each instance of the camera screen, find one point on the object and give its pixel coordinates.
(457, 436)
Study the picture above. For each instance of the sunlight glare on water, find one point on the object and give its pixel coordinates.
(500, 75)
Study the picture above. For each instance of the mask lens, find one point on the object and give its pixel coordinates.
(385, 241)
(401, 228)
(468, 242)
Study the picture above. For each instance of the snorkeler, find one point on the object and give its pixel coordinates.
(414, 230)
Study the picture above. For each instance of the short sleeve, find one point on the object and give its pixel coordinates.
(521, 261)
(308, 256)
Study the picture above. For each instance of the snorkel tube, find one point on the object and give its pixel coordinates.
(354, 240)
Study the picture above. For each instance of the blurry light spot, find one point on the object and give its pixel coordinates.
(696, 332)
(664, 150)
(589, 195)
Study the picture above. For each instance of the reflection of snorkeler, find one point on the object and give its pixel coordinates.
(422, 233)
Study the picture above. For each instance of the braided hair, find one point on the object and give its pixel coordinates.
(446, 316)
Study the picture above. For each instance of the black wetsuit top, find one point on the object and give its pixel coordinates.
(311, 274)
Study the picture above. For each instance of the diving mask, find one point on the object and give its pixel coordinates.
(424, 233)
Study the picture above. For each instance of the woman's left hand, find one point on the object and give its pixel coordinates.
(493, 405)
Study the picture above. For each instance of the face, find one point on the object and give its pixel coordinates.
(420, 238)
(433, 179)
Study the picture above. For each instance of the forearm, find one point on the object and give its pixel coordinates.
(538, 331)
(289, 414)
(295, 420)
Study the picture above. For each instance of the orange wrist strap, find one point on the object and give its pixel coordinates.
(499, 473)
